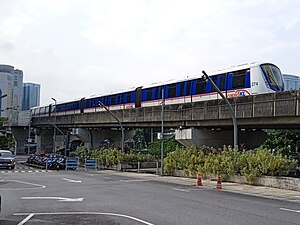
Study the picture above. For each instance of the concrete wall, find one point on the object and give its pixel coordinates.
(219, 138)
(288, 183)
(265, 111)
(20, 135)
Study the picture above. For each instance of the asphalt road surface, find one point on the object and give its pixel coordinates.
(72, 197)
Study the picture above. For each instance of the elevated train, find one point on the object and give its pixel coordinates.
(241, 80)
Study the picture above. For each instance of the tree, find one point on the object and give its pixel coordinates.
(141, 138)
(170, 145)
(6, 140)
(285, 142)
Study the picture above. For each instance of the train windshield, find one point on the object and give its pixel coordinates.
(274, 76)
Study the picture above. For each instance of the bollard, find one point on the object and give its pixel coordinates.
(157, 167)
(139, 166)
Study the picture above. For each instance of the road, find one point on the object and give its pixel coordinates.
(72, 197)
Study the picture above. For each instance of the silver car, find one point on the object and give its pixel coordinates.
(7, 159)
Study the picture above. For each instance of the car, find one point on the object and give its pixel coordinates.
(7, 159)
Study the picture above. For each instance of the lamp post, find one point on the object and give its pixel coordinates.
(3, 96)
(29, 135)
(162, 133)
(120, 124)
(54, 129)
(235, 129)
(65, 136)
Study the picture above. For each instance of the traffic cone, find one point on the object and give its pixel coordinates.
(219, 184)
(199, 181)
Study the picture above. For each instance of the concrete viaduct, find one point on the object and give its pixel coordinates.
(198, 123)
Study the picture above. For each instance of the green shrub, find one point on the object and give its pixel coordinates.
(227, 161)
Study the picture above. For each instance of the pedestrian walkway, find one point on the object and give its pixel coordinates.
(261, 191)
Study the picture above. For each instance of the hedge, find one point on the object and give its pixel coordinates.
(227, 161)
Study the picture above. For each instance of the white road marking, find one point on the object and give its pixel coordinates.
(26, 219)
(86, 213)
(60, 199)
(290, 210)
(133, 180)
(39, 186)
(183, 190)
(90, 175)
(73, 181)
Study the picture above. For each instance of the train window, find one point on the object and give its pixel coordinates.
(188, 88)
(200, 86)
(104, 100)
(120, 99)
(113, 100)
(215, 80)
(222, 86)
(157, 93)
(88, 103)
(128, 97)
(149, 94)
(239, 79)
(172, 90)
(181, 89)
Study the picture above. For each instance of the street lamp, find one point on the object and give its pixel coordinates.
(54, 129)
(65, 136)
(122, 144)
(235, 129)
(162, 133)
(3, 96)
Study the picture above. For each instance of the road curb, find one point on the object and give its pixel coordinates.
(259, 191)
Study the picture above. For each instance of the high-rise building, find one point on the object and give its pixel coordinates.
(11, 81)
(31, 95)
(291, 82)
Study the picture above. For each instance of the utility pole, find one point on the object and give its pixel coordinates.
(54, 127)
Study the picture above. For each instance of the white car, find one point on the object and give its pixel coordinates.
(7, 159)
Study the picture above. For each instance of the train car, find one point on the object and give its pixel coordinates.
(240, 80)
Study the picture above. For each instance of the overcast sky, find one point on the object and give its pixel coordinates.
(77, 48)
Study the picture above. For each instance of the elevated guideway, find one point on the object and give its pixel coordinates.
(276, 110)
(207, 122)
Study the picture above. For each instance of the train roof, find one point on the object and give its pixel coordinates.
(220, 71)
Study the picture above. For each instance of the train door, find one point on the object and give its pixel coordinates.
(138, 97)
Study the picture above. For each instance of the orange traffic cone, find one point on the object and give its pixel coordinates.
(199, 181)
(219, 184)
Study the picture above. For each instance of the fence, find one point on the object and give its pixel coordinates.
(139, 167)
(90, 164)
(72, 163)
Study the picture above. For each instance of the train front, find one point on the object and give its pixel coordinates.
(273, 76)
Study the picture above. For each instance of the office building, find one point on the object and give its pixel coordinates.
(31, 95)
(291, 82)
(11, 81)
